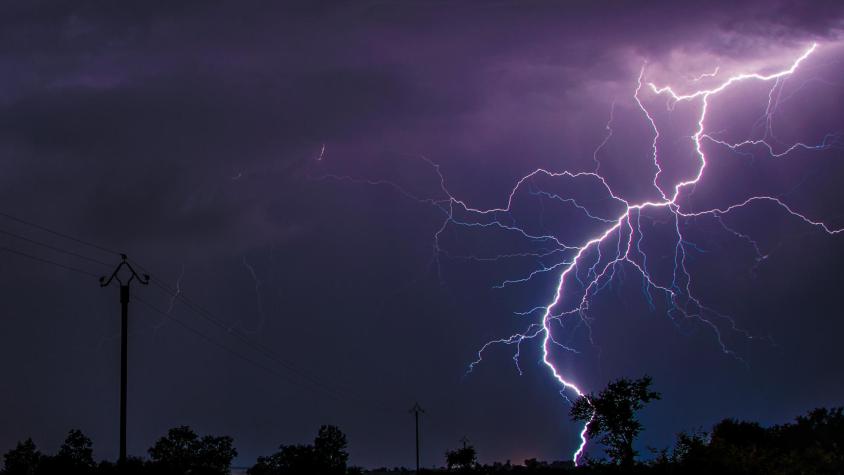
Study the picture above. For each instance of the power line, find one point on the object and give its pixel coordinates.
(48, 261)
(54, 248)
(208, 339)
(59, 233)
(196, 308)
(157, 310)
(191, 305)
(207, 315)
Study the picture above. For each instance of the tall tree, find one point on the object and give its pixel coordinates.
(77, 452)
(330, 450)
(24, 459)
(215, 454)
(175, 452)
(612, 415)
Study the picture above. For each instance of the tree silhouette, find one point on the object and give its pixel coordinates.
(462, 459)
(330, 450)
(75, 456)
(690, 449)
(77, 453)
(327, 456)
(812, 444)
(182, 451)
(821, 430)
(177, 451)
(24, 459)
(130, 466)
(612, 415)
(215, 455)
(289, 460)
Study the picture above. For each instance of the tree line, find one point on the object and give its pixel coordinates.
(811, 444)
(182, 452)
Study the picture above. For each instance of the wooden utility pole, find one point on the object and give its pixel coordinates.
(129, 276)
(416, 410)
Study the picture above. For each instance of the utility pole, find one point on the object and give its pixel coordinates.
(129, 276)
(416, 410)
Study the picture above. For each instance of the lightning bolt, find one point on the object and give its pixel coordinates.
(625, 228)
(592, 264)
(178, 291)
(258, 301)
(707, 75)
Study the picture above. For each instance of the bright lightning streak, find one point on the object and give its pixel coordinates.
(707, 75)
(607, 138)
(178, 291)
(679, 290)
(258, 303)
(621, 240)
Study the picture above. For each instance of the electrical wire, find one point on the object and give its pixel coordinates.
(47, 261)
(59, 233)
(216, 343)
(189, 304)
(54, 248)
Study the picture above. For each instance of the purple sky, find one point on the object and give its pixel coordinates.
(190, 137)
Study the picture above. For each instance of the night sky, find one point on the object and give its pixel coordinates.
(277, 163)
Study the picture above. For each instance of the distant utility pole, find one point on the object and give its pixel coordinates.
(416, 410)
(128, 276)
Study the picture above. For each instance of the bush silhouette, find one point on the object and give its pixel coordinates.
(463, 459)
(181, 451)
(75, 455)
(327, 456)
(812, 444)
